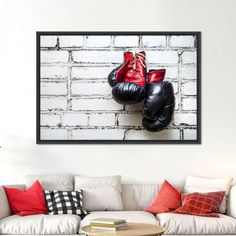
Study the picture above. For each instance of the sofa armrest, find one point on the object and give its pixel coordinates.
(5, 209)
(231, 208)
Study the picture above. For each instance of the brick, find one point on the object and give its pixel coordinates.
(98, 56)
(91, 72)
(71, 41)
(53, 72)
(189, 88)
(59, 103)
(74, 119)
(126, 41)
(98, 41)
(135, 107)
(154, 41)
(168, 134)
(190, 103)
(53, 134)
(95, 104)
(189, 57)
(170, 57)
(188, 119)
(50, 119)
(182, 41)
(92, 88)
(189, 72)
(190, 134)
(53, 88)
(102, 119)
(130, 119)
(172, 72)
(54, 56)
(48, 41)
(98, 134)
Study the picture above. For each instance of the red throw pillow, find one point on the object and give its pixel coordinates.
(27, 202)
(201, 204)
(168, 199)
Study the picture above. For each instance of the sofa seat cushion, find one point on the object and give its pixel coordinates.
(199, 225)
(129, 216)
(40, 224)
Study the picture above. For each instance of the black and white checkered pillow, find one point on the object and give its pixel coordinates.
(64, 202)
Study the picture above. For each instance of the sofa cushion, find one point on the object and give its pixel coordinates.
(52, 182)
(100, 193)
(137, 197)
(206, 185)
(190, 224)
(40, 224)
(5, 209)
(129, 216)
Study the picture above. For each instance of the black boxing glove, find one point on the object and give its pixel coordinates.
(159, 103)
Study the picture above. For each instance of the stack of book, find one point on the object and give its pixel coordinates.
(109, 224)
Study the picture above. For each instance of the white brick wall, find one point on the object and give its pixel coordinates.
(182, 41)
(71, 41)
(48, 41)
(53, 88)
(74, 119)
(99, 104)
(97, 134)
(130, 119)
(126, 41)
(94, 72)
(168, 134)
(76, 100)
(53, 134)
(54, 56)
(102, 119)
(98, 56)
(53, 103)
(154, 41)
(189, 72)
(54, 72)
(98, 41)
(92, 88)
(164, 57)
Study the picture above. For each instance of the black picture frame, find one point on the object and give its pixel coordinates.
(197, 35)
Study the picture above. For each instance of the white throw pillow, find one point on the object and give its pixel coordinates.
(207, 185)
(100, 193)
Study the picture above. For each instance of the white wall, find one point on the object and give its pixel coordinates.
(20, 155)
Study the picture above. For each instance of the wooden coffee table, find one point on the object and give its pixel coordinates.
(134, 229)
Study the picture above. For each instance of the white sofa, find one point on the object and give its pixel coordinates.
(135, 198)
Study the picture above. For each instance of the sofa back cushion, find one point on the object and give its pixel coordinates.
(207, 184)
(137, 197)
(231, 205)
(52, 182)
(100, 193)
(5, 209)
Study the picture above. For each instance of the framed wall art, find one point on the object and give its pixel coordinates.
(119, 87)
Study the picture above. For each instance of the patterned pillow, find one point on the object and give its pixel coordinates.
(64, 202)
(201, 204)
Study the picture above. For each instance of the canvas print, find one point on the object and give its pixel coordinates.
(118, 87)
